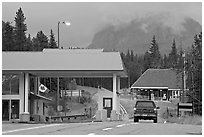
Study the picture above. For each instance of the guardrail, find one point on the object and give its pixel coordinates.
(62, 118)
(123, 109)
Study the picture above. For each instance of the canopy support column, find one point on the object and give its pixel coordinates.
(114, 92)
(114, 109)
(118, 90)
(26, 92)
(25, 116)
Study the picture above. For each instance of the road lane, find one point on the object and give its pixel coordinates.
(30, 128)
(66, 128)
(95, 128)
(110, 128)
(154, 129)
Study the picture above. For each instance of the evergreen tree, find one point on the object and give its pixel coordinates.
(135, 58)
(173, 56)
(7, 36)
(40, 42)
(20, 30)
(180, 63)
(155, 54)
(52, 42)
(128, 56)
(131, 55)
(134, 71)
(165, 62)
(122, 56)
(195, 74)
(147, 61)
(28, 45)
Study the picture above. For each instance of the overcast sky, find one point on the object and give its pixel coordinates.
(88, 18)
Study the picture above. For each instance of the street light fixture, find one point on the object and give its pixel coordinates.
(64, 22)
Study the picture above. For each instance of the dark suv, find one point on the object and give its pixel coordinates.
(145, 110)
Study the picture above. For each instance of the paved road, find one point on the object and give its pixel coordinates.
(102, 128)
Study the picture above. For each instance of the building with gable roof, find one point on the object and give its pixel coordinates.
(163, 83)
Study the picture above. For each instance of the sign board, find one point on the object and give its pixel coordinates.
(59, 108)
(71, 93)
(185, 107)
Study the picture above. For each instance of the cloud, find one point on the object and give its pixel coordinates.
(88, 18)
(171, 14)
(113, 12)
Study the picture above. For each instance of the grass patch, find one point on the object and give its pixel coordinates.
(128, 105)
(193, 120)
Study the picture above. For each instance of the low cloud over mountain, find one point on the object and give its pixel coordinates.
(137, 34)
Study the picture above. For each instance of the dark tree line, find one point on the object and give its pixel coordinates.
(136, 65)
(14, 38)
(194, 75)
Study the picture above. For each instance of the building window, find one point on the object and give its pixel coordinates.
(10, 85)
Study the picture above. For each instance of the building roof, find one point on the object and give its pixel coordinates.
(71, 50)
(62, 61)
(159, 78)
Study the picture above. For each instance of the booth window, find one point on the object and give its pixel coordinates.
(10, 85)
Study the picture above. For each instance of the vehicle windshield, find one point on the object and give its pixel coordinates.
(146, 104)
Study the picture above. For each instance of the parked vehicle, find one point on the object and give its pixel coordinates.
(145, 109)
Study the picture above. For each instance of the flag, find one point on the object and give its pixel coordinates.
(43, 88)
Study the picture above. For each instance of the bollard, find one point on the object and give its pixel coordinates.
(49, 119)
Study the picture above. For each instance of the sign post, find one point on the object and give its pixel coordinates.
(183, 107)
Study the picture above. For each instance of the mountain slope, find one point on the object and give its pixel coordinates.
(137, 34)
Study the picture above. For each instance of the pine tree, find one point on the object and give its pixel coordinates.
(7, 36)
(131, 55)
(165, 62)
(52, 42)
(180, 63)
(128, 56)
(173, 56)
(155, 54)
(40, 42)
(196, 73)
(28, 44)
(136, 58)
(147, 61)
(122, 56)
(20, 30)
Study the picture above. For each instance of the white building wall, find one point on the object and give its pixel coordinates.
(106, 94)
(102, 95)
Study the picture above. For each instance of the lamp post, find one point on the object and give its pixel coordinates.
(58, 24)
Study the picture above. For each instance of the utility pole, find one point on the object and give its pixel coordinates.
(184, 82)
(58, 95)
(193, 92)
(184, 77)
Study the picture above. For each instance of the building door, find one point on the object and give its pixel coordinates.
(5, 110)
(14, 109)
(107, 104)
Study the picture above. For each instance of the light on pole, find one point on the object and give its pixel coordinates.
(58, 24)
